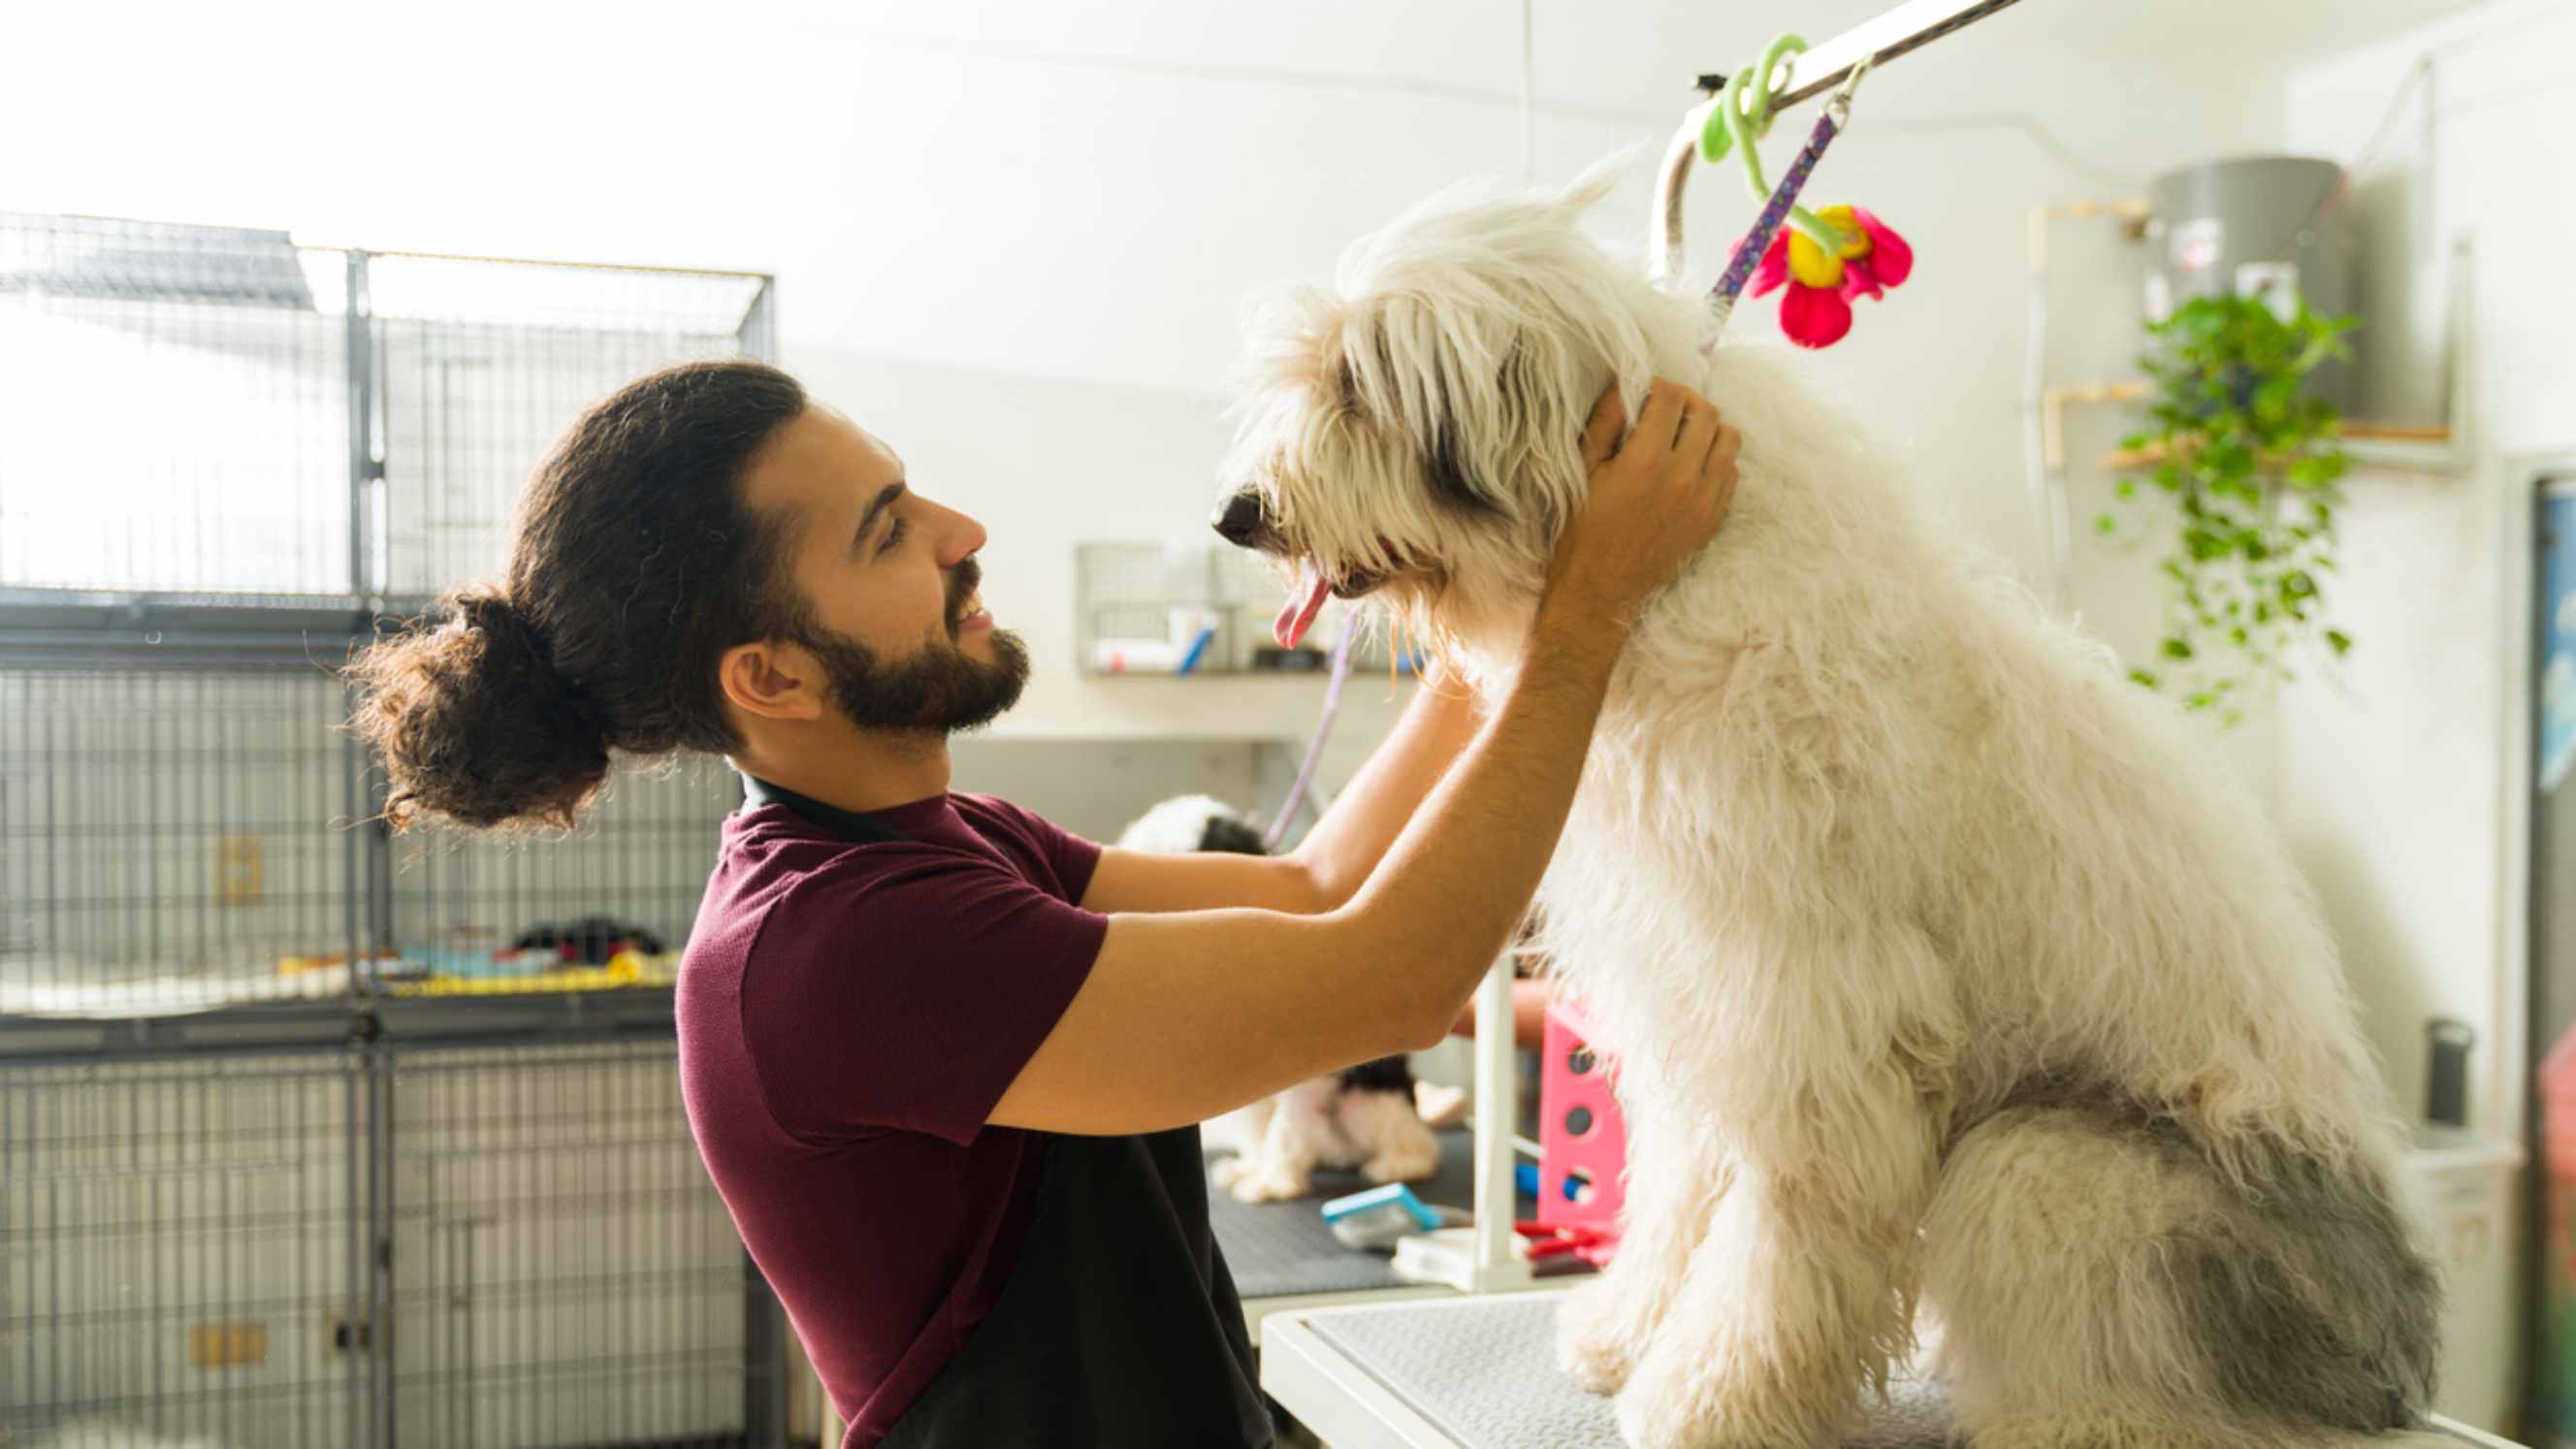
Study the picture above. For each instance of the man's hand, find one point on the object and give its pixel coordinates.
(1655, 501)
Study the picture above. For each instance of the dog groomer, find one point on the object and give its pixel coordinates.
(941, 1057)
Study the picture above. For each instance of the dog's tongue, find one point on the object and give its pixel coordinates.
(1305, 601)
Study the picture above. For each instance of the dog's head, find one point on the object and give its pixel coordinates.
(1188, 823)
(1416, 432)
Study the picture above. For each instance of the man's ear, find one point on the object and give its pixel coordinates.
(771, 679)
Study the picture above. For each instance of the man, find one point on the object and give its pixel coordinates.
(943, 1059)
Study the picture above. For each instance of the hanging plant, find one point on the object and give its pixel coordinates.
(2250, 460)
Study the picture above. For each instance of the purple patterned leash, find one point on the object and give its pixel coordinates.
(1297, 797)
(1767, 225)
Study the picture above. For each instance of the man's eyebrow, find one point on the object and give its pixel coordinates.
(885, 499)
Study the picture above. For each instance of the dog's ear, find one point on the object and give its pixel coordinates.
(1597, 182)
(1443, 469)
(1446, 472)
(1224, 832)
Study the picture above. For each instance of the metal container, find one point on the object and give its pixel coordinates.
(2252, 226)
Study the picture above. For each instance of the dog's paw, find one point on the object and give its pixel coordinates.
(1403, 1165)
(1589, 1345)
(1227, 1172)
(1439, 1105)
(1268, 1184)
(1655, 1417)
(1690, 1401)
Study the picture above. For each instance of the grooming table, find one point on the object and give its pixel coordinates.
(1478, 1373)
(1283, 1256)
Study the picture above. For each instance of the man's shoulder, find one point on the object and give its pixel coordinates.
(983, 810)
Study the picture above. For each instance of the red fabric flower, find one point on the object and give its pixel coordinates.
(1817, 310)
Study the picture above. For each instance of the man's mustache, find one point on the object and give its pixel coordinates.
(962, 583)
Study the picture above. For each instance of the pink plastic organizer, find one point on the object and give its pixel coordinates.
(1582, 1142)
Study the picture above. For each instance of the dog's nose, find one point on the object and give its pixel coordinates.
(1238, 521)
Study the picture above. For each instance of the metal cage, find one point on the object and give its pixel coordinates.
(224, 458)
(288, 1154)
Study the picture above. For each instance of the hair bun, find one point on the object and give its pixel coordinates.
(476, 724)
(516, 645)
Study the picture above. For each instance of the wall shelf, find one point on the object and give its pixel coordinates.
(2395, 445)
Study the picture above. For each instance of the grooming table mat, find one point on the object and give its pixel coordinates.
(1284, 1249)
(1481, 1371)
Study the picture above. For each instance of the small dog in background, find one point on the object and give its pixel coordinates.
(1363, 1117)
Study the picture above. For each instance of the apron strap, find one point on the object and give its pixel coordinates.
(847, 824)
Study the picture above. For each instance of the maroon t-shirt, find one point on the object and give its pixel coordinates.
(848, 1014)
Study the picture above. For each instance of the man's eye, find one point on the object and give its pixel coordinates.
(894, 535)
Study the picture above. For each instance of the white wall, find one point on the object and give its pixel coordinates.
(1034, 215)
(2403, 791)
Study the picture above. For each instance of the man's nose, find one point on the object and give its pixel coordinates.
(961, 538)
(1238, 520)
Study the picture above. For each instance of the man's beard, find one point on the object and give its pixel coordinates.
(941, 689)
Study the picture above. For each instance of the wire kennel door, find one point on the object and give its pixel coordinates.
(181, 1251)
(639, 858)
(173, 840)
(479, 365)
(173, 410)
(562, 1270)
(480, 1248)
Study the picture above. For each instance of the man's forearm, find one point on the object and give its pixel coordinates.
(1458, 876)
(1346, 845)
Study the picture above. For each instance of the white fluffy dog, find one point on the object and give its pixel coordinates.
(1362, 1116)
(1941, 964)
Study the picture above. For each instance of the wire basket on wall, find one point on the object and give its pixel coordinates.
(1148, 608)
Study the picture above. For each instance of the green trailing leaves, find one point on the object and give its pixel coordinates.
(2248, 461)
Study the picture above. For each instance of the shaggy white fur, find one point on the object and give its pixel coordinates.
(1334, 1121)
(1943, 966)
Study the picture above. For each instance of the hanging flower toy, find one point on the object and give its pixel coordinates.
(1825, 258)
(1870, 258)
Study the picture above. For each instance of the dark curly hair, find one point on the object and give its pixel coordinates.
(635, 565)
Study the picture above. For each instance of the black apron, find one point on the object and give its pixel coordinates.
(1119, 1327)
